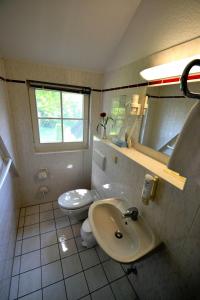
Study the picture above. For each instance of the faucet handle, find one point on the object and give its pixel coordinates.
(132, 213)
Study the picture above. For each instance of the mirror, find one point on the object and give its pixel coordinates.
(164, 117)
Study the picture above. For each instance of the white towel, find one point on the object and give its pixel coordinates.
(185, 158)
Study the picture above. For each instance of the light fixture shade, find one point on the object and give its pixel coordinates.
(171, 69)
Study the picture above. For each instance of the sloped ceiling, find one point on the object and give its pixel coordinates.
(75, 33)
(157, 25)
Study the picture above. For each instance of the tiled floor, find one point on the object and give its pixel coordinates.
(50, 262)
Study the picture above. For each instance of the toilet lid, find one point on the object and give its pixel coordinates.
(86, 226)
(76, 199)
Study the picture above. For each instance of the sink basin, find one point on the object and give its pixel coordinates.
(121, 238)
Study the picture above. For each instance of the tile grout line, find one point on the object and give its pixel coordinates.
(83, 250)
(105, 274)
(14, 257)
(90, 293)
(78, 253)
(80, 259)
(37, 204)
(46, 231)
(132, 284)
(56, 261)
(40, 253)
(60, 256)
(20, 257)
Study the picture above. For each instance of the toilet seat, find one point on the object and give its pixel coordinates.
(76, 199)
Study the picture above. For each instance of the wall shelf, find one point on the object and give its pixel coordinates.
(150, 164)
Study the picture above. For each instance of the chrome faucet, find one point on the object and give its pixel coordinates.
(132, 213)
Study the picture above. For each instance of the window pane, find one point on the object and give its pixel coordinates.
(73, 130)
(50, 131)
(72, 105)
(48, 103)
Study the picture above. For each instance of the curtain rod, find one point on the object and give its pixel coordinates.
(192, 77)
(33, 83)
(60, 86)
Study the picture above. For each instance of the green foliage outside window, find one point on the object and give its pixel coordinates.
(118, 114)
(65, 106)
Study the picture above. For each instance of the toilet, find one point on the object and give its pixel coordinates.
(76, 203)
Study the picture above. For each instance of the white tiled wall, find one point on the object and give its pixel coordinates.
(60, 178)
(174, 217)
(9, 196)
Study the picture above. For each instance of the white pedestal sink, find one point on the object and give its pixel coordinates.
(121, 238)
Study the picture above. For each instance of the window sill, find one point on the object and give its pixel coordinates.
(60, 151)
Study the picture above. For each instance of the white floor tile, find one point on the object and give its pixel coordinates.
(22, 212)
(16, 265)
(74, 220)
(32, 219)
(32, 210)
(71, 265)
(51, 273)
(67, 248)
(29, 282)
(62, 222)
(46, 215)
(96, 278)
(55, 204)
(76, 229)
(79, 244)
(58, 213)
(55, 291)
(47, 226)
(33, 296)
(103, 293)
(123, 290)
(18, 248)
(31, 230)
(102, 255)
(76, 286)
(46, 206)
(21, 222)
(48, 239)
(14, 287)
(31, 244)
(30, 261)
(113, 270)
(50, 254)
(19, 234)
(89, 258)
(87, 298)
(64, 234)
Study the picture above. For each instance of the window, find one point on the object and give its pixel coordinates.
(60, 119)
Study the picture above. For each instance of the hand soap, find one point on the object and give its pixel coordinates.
(149, 188)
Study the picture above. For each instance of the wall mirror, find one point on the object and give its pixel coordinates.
(163, 119)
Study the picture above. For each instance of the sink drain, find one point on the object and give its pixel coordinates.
(118, 234)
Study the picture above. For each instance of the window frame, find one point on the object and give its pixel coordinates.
(58, 146)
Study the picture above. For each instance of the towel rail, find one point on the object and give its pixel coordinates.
(184, 78)
(7, 163)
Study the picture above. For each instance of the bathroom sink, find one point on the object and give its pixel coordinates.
(122, 239)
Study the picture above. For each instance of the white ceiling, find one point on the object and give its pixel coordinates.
(74, 33)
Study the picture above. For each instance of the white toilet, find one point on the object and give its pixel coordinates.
(76, 204)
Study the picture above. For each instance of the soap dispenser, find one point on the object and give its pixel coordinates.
(149, 188)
